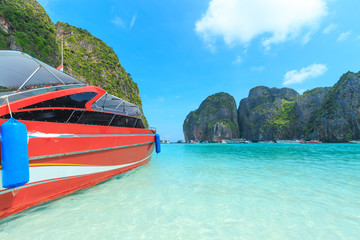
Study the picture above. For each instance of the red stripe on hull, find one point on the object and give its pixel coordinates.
(101, 158)
(60, 145)
(41, 192)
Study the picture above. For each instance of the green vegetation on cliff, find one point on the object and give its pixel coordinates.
(336, 93)
(219, 100)
(337, 118)
(267, 114)
(284, 116)
(92, 60)
(24, 25)
(211, 105)
(214, 120)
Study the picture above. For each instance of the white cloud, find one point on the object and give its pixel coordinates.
(119, 22)
(299, 76)
(276, 21)
(258, 69)
(344, 36)
(238, 60)
(133, 21)
(329, 28)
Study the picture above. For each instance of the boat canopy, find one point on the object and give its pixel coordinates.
(20, 71)
(110, 103)
(23, 76)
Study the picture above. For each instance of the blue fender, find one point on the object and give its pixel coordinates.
(14, 154)
(157, 143)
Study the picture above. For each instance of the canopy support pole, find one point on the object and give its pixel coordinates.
(28, 79)
(49, 71)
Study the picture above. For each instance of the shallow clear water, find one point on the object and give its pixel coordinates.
(212, 191)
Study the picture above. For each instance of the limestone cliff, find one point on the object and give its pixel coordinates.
(338, 117)
(306, 108)
(214, 120)
(330, 114)
(268, 114)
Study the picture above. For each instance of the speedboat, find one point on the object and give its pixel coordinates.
(289, 141)
(76, 135)
(313, 141)
(236, 141)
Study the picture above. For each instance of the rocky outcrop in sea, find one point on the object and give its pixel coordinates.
(267, 113)
(329, 114)
(338, 117)
(214, 120)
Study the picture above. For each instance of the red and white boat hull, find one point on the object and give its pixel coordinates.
(64, 158)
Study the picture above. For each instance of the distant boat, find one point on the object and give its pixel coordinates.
(355, 141)
(165, 141)
(289, 141)
(181, 141)
(313, 141)
(236, 141)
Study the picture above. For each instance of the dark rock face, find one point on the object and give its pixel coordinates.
(306, 108)
(330, 114)
(267, 114)
(214, 120)
(309, 101)
(338, 117)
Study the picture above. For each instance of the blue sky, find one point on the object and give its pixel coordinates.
(180, 52)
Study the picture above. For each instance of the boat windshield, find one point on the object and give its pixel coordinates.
(19, 71)
(110, 103)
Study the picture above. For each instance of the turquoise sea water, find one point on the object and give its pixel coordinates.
(212, 191)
